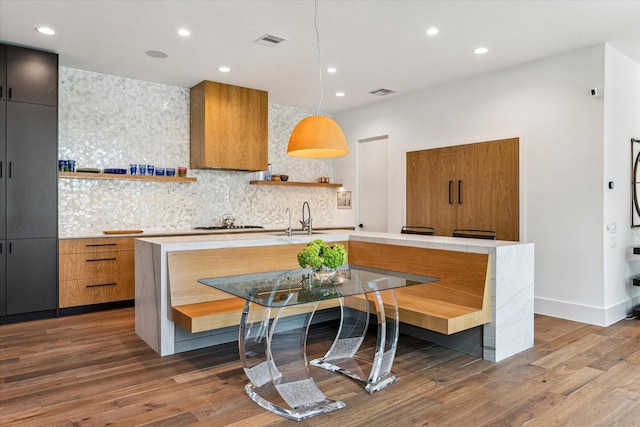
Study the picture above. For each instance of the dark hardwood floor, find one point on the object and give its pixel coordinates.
(93, 370)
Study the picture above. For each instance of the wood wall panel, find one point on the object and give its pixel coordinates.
(490, 180)
(472, 186)
(430, 196)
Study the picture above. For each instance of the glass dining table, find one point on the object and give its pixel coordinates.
(276, 319)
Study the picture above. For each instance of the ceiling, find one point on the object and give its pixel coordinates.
(373, 44)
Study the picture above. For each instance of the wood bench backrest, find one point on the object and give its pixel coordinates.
(463, 275)
(185, 268)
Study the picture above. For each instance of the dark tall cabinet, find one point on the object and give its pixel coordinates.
(28, 183)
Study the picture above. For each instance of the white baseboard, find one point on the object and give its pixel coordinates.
(599, 316)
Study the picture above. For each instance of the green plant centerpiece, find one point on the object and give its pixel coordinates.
(322, 258)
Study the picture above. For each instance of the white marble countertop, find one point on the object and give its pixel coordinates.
(270, 237)
(230, 240)
(247, 237)
(190, 232)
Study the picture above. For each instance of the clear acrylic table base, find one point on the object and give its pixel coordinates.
(354, 321)
(273, 354)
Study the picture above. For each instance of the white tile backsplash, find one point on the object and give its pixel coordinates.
(109, 121)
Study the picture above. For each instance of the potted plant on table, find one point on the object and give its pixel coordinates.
(322, 258)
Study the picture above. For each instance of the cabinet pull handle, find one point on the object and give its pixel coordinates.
(100, 244)
(459, 192)
(1, 92)
(101, 259)
(10, 247)
(450, 193)
(101, 284)
(10, 169)
(0, 169)
(10, 93)
(0, 248)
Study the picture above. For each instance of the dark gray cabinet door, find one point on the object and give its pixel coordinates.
(3, 278)
(32, 150)
(3, 169)
(3, 72)
(32, 76)
(32, 275)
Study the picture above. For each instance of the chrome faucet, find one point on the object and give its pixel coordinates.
(289, 231)
(306, 224)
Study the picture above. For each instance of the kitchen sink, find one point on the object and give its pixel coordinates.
(297, 233)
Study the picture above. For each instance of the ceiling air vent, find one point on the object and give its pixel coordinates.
(382, 92)
(270, 40)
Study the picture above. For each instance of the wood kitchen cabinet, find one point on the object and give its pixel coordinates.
(28, 184)
(96, 270)
(472, 186)
(229, 127)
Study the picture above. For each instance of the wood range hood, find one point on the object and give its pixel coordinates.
(229, 127)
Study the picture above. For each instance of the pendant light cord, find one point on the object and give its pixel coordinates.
(315, 22)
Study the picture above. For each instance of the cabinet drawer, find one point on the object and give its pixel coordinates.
(76, 246)
(94, 265)
(95, 291)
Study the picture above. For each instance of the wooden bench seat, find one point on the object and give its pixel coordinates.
(460, 300)
(205, 316)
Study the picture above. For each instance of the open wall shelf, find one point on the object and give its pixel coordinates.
(296, 184)
(124, 177)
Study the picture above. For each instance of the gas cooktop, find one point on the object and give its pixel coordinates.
(222, 227)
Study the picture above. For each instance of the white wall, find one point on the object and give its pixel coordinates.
(621, 97)
(548, 104)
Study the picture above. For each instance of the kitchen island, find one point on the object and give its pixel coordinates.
(510, 275)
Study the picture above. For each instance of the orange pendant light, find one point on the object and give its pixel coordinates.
(317, 137)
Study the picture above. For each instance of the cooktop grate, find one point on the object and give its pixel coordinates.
(222, 227)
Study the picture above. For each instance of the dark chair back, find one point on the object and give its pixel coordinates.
(474, 234)
(415, 229)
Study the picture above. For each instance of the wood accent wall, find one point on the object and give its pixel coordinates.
(471, 186)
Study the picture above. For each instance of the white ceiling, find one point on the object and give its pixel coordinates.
(374, 44)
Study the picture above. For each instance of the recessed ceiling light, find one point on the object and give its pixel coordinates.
(480, 50)
(224, 69)
(432, 31)
(340, 94)
(156, 54)
(45, 30)
(184, 32)
(332, 70)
